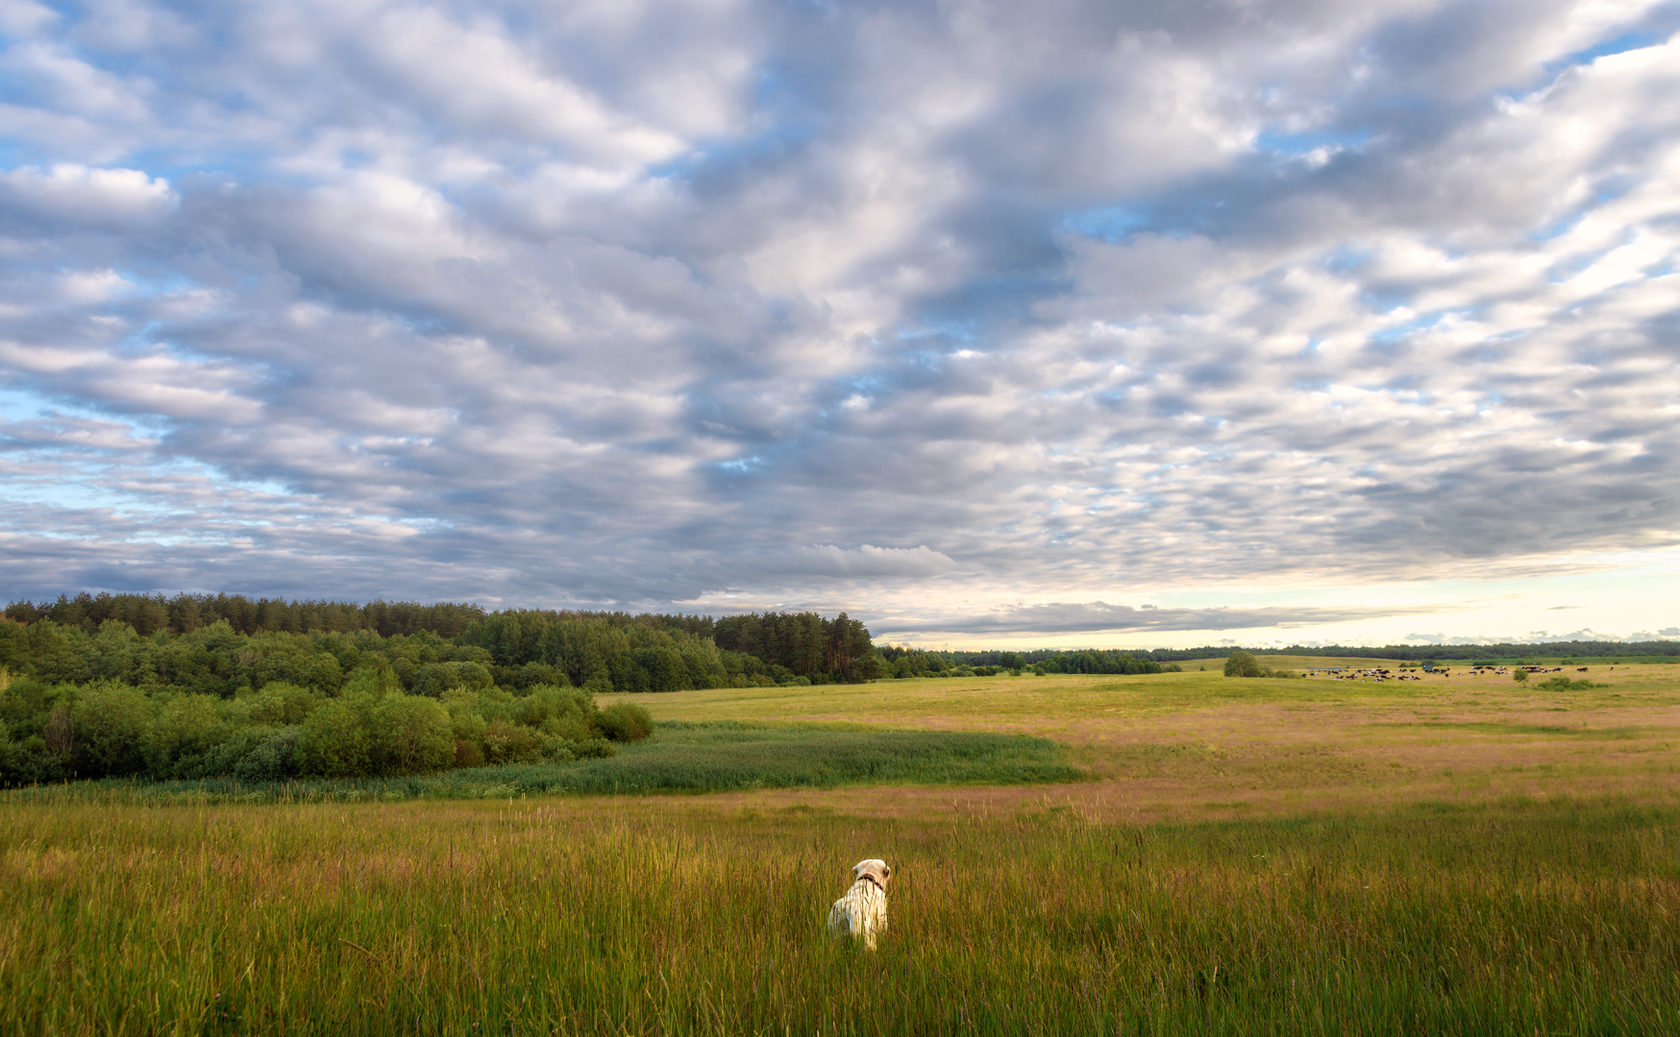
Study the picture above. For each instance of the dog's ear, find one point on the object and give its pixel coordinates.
(857, 871)
(886, 870)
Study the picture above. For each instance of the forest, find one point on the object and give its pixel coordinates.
(270, 690)
(902, 662)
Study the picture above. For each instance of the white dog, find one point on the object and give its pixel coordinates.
(862, 912)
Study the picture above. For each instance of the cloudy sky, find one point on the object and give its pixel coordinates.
(1108, 323)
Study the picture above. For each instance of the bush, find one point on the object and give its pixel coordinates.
(468, 753)
(272, 758)
(110, 722)
(624, 722)
(511, 743)
(1565, 684)
(181, 739)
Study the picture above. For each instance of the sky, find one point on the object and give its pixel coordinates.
(992, 324)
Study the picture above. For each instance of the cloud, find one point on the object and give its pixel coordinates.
(868, 560)
(73, 195)
(1102, 618)
(614, 305)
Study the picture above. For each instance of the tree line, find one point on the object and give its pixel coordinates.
(1421, 653)
(901, 662)
(754, 649)
(363, 690)
(184, 613)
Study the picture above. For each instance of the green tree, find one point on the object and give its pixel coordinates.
(110, 722)
(411, 735)
(1243, 664)
(335, 741)
(183, 735)
(281, 703)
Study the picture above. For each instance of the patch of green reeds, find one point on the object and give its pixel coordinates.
(709, 757)
(663, 916)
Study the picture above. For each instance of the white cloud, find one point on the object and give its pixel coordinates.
(105, 198)
(616, 304)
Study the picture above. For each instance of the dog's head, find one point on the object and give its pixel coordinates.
(874, 869)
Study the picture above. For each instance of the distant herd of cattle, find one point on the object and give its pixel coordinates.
(1379, 673)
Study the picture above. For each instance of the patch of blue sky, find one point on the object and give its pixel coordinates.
(1570, 266)
(84, 490)
(788, 125)
(161, 281)
(1345, 259)
(953, 330)
(1110, 223)
(28, 405)
(273, 487)
(741, 465)
(1637, 39)
(1405, 329)
(1556, 228)
(1422, 322)
(1607, 190)
(23, 405)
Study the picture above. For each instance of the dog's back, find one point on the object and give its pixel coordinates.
(862, 912)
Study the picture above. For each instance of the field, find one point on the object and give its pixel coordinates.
(1450, 855)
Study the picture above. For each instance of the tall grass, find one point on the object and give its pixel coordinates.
(672, 916)
(681, 757)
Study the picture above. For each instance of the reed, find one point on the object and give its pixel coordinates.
(680, 758)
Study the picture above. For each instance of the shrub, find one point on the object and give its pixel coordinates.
(272, 758)
(468, 753)
(182, 737)
(548, 707)
(1565, 684)
(511, 743)
(624, 722)
(110, 722)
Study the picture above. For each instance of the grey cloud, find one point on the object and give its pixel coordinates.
(1101, 617)
(795, 283)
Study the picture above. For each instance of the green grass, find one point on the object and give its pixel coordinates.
(1461, 857)
(667, 916)
(679, 758)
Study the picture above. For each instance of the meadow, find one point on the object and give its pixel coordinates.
(1451, 855)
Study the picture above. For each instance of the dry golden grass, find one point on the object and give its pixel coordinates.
(1417, 857)
(1199, 745)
